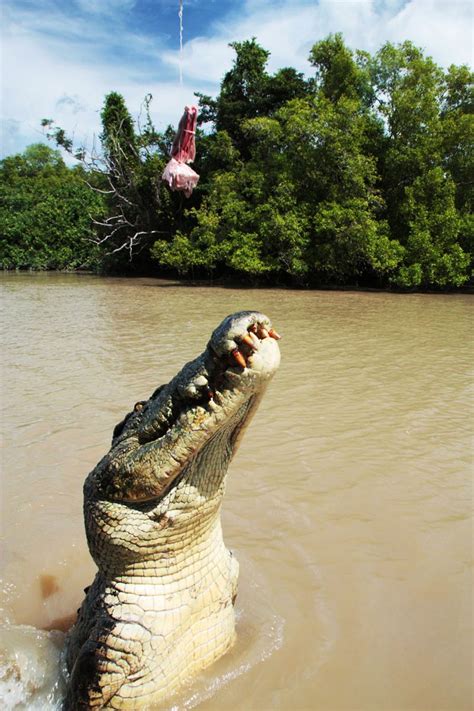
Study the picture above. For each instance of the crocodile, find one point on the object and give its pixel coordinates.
(161, 606)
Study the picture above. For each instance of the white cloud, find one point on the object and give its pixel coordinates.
(443, 29)
(70, 103)
(289, 29)
(202, 57)
(12, 136)
(104, 7)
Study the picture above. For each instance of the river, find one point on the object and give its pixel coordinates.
(348, 504)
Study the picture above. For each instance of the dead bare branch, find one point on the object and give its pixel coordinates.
(112, 168)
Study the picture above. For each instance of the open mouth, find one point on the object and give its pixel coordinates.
(153, 444)
(203, 385)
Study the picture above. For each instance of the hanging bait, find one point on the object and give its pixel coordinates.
(177, 173)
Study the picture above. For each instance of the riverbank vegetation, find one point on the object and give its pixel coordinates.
(360, 173)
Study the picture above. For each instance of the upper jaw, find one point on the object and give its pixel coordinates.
(245, 329)
(247, 344)
(241, 356)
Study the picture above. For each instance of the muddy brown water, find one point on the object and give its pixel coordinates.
(348, 504)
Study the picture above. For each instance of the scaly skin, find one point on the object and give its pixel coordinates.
(161, 606)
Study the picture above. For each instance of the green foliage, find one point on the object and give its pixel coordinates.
(337, 73)
(118, 135)
(457, 134)
(180, 254)
(433, 255)
(360, 174)
(45, 213)
(248, 91)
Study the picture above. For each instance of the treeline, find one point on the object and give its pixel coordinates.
(361, 174)
(45, 213)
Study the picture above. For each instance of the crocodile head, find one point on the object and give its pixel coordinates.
(211, 398)
(169, 456)
(162, 599)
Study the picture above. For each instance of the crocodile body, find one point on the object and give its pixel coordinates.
(161, 606)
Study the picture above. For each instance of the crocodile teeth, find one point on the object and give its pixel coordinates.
(188, 390)
(237, 355)
(248, 341)
(216, 401)
(213, 406)
(255, 340)
(273, 334)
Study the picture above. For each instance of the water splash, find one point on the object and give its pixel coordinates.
(30, 664)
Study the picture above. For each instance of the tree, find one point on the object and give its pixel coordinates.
(407, 86)
(361, 174)
(248, 91)
(336, 182)
(133, 179)
(338, 73)
(45, 213)
(127, 172)
(457, 135)
(427, 147)
(433, 255)
(118, 136)
(457, 127)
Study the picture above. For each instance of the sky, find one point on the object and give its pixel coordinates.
(59, 58)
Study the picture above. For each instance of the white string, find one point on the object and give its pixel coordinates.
(180, 15)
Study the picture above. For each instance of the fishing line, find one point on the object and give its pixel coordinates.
(180, 15)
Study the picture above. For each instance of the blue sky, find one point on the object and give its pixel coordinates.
(59, 59)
